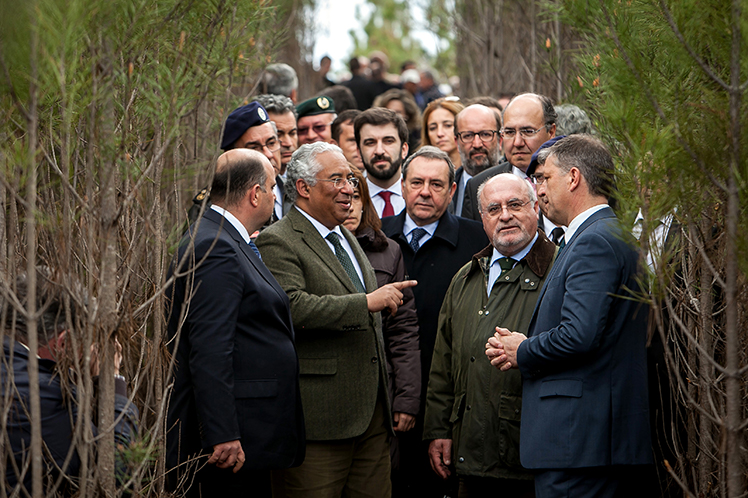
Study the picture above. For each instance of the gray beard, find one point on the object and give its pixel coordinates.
(473, 168)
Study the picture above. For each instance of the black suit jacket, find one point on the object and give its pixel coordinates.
(454, 243)
(470, 205)
(236, 373)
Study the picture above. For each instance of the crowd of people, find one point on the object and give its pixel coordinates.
(386, 291)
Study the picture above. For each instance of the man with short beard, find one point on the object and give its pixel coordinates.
(382, 138)
(477, 133)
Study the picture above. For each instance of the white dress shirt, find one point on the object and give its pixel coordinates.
(233, 220)
(396, 199)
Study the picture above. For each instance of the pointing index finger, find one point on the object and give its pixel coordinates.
(405, 284)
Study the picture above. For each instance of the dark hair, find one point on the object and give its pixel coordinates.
(369, 218)
(431, 152)
(549, 113)
(342, 96)
(451, 105)
(50, 302)
(404, 96)
(232, 182)
(342, 119)
(276, 104)
(379, 116)
(590, 156)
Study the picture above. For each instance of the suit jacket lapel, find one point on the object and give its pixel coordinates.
(370, 281)
(316, 243)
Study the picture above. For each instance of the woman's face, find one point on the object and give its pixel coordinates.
(398, 107)
(441, 130)
(354, 214)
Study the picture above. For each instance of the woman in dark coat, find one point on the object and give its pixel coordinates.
(401, 329)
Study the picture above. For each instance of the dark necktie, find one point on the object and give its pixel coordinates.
(388, 209)
(254, 248)
(417, 235)
(506, 264)
(345, 260)
(557, 234)
(562, 245)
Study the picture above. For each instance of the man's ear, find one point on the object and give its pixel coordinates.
(302, 188)
(575, 179)
(254, 195)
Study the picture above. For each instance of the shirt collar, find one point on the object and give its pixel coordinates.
(395, 188)
(410, 225)
(233, 220)
(322, 229)
(517, 257)
(581, 218)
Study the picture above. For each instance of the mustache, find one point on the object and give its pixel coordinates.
(380, 157)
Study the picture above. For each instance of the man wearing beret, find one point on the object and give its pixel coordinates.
(315, 117)
(247, 127)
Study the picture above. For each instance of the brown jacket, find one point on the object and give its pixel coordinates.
(401, 330)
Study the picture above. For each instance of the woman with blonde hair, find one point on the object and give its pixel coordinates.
(439, 126)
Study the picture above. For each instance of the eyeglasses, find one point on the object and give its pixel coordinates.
(318, 129)
(523, 132)
(467, 137)
(338, 182)
(272, 145)
(538, 180)
(494, 210)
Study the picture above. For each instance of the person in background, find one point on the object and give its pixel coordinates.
(401, 329)
(403, 103)
(280, 79)
(344, 137)
(315, 117)
(439, 127)
(342, 96)
(429, 87)
(59, 410)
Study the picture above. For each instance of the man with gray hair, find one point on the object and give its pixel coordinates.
(280, 79)
(335, 305)
(481, 438)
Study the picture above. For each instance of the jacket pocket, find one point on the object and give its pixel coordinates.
(255, 388)
(571, 388)
(318, 366)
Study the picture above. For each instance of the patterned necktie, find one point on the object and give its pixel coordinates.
(254, 248)
(506, 264)
(417, 235)
(557, 234)
(561, 245)
(345, 260)
(388, 209)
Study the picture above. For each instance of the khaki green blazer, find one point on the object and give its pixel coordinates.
(340, 345)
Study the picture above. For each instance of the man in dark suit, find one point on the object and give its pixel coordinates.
(477, 130)
(236, 388)
(585, 413)
(529, 121)
(435, 245)
(335, 306)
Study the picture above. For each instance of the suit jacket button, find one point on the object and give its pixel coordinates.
(472, 358)
(374, 360)
(461, 459)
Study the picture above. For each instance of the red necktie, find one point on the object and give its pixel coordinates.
(388, 209)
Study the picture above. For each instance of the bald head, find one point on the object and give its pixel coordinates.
(237, 171)
(529, 122)
(478, 154)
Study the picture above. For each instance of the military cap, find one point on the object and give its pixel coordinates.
(315, 105)
(240, 120)
(534, 158)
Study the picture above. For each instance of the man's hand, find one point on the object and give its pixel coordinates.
(501, 349)
(403, 421)
(440, 456)
(227, 455)
(388, 296)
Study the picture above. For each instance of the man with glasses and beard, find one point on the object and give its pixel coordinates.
(477, 132)
(382, 138)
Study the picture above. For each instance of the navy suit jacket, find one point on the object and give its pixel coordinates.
(471, 203)
(236, 373)
(584, 367)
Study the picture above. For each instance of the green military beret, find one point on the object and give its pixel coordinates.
(316, 105)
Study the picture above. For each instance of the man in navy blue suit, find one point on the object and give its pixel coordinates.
(585, 414)
(235, 410)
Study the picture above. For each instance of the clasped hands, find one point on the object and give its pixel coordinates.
(501, 349)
